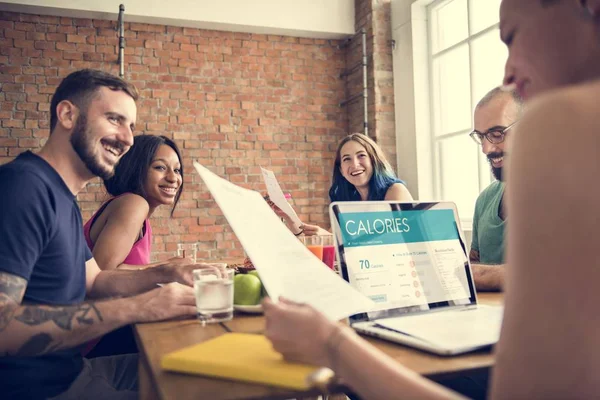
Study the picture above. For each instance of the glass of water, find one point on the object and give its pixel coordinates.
(214, 294)
(187, 250)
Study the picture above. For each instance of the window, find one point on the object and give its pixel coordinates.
(465, 60)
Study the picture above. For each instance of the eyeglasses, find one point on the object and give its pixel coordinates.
(494, 135)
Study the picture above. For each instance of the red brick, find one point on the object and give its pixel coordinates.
(84, 48)
(19, 133)
(15, 151)
(86, 31)
(105, 49)
(22, 26)
(189, 47)
(56, 37)
(153, 44)
(8, 142)
(14, 34)
(9, 87)
(23, 78)
(75, 39)
(94, 57)
(31, 124)
(72, 55)
(29, 143)
(12, 70)
(42, 45)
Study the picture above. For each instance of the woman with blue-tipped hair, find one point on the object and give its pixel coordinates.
(361, 172)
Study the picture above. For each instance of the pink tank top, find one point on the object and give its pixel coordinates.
(140, 252)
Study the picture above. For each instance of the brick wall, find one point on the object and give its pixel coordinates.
(233, 101)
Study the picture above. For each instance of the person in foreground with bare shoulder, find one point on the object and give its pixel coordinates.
(548, 346)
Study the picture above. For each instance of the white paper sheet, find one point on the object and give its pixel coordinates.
(286, 267)
(276, 195)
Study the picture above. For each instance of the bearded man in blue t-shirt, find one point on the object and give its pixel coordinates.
(46, 270)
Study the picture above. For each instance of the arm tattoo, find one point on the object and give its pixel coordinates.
(61, 316)
(36, 345)
(12, 289)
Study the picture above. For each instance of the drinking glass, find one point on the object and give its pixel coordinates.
(214, 294)
(314, 244)
(328, 251)
(187, 250)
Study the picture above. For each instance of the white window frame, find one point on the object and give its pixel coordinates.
(418, 155)
(483, 170)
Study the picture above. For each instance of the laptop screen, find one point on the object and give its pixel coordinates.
(406, 257)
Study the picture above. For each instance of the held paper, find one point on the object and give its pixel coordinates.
(286, 267)
(276, 195)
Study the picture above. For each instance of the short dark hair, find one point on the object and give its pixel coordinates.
(131, 171)
(80, 86)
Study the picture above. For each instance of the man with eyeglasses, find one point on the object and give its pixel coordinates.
(495, 115)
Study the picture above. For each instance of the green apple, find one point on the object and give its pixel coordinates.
(263, 292)
(246, 289)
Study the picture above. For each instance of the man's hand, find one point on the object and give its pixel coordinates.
(184, 273)
(311, 230)
(169, 301)
(488, 278)
(177, 261)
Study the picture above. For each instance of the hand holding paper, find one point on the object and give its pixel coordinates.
(276, 195)
(287, 268)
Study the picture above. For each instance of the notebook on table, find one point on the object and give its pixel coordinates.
(245, 357)
(412, 261)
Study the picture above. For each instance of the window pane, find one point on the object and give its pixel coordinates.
(484, 13)
(489, 59)
(451, 91)
(449, 24)
(458, 173)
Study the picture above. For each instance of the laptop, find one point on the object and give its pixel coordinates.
(412, 261)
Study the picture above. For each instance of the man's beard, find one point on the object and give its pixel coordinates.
(82, 144)
(496, 171)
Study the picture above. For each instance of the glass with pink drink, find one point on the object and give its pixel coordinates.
(329, 251)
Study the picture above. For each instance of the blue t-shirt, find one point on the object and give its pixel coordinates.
(42, 241)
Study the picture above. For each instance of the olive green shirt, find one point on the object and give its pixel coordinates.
(488, 228)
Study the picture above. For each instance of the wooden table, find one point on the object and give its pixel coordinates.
(157, 339)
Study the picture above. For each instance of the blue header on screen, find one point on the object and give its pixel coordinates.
(392, 227)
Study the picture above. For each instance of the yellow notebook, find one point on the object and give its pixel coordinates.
(245, 357)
